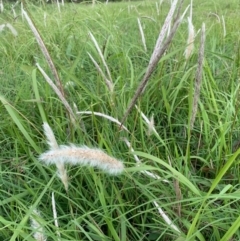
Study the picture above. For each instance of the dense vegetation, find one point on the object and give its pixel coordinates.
(196, 182)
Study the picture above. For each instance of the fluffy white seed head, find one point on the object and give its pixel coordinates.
(84, 156)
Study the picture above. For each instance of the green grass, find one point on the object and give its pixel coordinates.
(202, 164)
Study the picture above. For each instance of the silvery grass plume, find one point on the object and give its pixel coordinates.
(37, 227)
(75, 155)
(84, 156)
(142, 35)
(161, 46)
(198, 78)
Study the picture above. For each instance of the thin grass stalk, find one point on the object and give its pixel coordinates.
(190, 15)
(45, 19)
(14, 12)
(158, 52)
(190, 40)
(58, 92)
(138, 161)
(224, 27)
(166, 218)
(58, 6)
(107, 81)
(44, 51)
(55, 217)
(101, 56)
(142, 35)
(198, 78)
(148, 122)
(12, 29)
(215, 15)
(1, 6)
(104, 116)
(157, 8)
(191, 36)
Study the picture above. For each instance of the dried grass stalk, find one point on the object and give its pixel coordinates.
(142, 35)
(158, 52)
(102, 57)
(44, 51)
(58, 92)
(198, 78)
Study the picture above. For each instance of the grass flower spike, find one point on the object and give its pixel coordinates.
(84, 156)
(71, 154)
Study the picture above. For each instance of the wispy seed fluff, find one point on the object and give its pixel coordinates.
(71, 154)
(83, 156)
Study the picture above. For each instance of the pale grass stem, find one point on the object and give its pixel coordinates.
(190, 40)
(44, 50)
(55, 216)
(101, 56)
(1, 6)
(215, 15)
(142, 35)
(157, 8)
(224, 27)
(10, 27)
(166, 218)
(45, 19)
(138, 161)
(108, 82)
(58, 6)
(58, 92)
(38, 234)
(150, 174)
(104, 116)
(150, 123)
(198, 78)
(14, 12)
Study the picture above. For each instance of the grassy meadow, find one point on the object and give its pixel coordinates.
(181, 175)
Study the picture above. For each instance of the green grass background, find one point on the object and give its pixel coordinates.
(203, 162)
